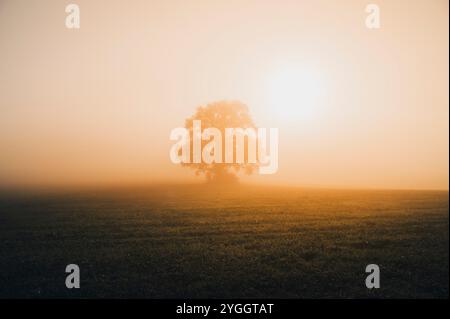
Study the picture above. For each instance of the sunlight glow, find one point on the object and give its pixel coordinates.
(295, 92)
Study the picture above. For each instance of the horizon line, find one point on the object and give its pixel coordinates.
(142, 185)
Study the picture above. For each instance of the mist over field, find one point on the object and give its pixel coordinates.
(344, 162)
(202, 241)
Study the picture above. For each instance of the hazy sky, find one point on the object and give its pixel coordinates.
(355, 107)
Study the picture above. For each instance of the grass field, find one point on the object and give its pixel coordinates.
(199, 241)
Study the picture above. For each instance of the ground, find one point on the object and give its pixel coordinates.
(243, 241)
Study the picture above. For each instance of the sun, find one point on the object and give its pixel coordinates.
(294, 92)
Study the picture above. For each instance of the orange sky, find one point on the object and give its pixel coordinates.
(369, 108)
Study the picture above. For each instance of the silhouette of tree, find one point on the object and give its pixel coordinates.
(221, 115)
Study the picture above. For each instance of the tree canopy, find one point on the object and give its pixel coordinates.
(221, 115)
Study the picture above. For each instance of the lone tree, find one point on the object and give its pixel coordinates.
(222, 115)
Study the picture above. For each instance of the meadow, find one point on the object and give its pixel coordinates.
(204, 241)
